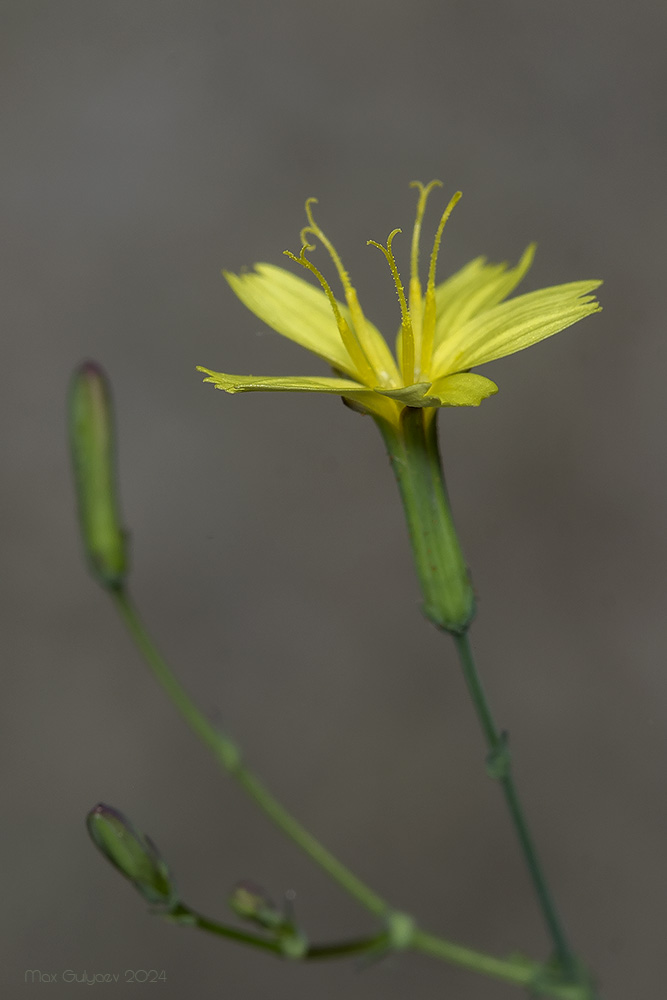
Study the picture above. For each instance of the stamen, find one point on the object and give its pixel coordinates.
(359, 359)
(374, 358)
(304, 242)
(438, 236)
(407, 335)
(316, 231)
(428, 325)
(424, 192)
(415, 293)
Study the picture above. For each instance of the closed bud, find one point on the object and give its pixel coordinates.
(132, 853)
(251, 902)
(91, 435)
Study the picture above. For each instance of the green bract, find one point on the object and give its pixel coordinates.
(445, 330)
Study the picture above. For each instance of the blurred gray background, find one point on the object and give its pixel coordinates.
(148, 144)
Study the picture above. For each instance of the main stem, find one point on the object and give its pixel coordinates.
(449, 604)
(500, 767)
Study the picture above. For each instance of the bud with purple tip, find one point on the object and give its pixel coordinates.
(133, 854)
(91, 436)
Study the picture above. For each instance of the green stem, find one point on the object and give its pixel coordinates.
(449, 604)
(183, 914)
(344, 949)
(521, 972)
(501, 768)
(229, 757)
(518, 971)
(497, 968)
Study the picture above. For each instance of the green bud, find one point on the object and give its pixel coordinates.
(132, 853)
(91, 435)
(251, 902)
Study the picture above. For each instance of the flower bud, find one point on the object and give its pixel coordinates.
(132, 853)
(91, 435)
(251, 902)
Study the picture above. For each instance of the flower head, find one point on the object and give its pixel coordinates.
(446, 329)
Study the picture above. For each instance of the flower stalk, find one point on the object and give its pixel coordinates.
(449, 604)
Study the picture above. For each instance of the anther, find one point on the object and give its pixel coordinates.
(438, 236)
(374, 366)
(428, 324)
(424, 192)
(407, 334)
(354, 349)
(415, 293)
(316, 231)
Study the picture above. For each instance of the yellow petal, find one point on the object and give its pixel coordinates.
(295, 309)
(361, 397)
(261, 383)
(462, 389)
(514, 325)
(476, 287)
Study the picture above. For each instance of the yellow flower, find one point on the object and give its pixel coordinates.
(445, 330)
